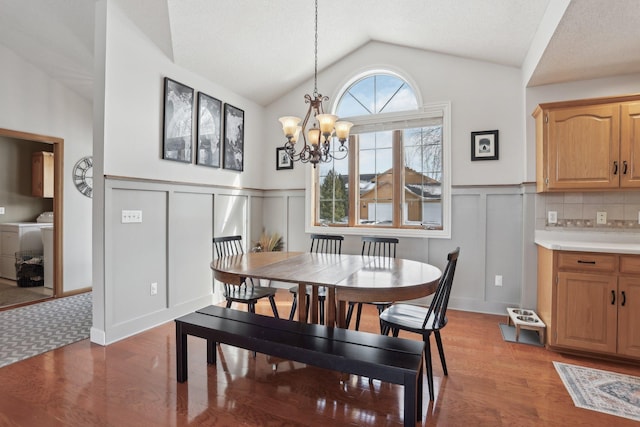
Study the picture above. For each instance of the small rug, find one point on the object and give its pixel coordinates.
(38, 328)
(526, 336)
(602, 391)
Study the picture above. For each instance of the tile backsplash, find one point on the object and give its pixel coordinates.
(579, 210)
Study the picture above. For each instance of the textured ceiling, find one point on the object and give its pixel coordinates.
(594, 39)
(262, 49)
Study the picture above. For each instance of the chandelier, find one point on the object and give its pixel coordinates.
(317, 140)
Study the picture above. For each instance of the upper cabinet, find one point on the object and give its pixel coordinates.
(42, 174)
(588, 144)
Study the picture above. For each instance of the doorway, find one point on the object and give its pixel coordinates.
(57, 147)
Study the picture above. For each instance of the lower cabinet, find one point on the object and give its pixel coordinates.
(17, 237)
(590, 301)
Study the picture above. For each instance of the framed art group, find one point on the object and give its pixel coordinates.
(216, 142)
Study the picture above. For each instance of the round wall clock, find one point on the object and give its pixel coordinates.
(83, 175)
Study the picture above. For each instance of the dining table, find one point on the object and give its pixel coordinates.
(345, 278)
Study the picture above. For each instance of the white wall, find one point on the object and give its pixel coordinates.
(183, 205)
(483, 96)
(33, 102)
(133, 110)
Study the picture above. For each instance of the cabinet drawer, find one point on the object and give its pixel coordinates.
(10, 243)
(587, 261)
(630, 264)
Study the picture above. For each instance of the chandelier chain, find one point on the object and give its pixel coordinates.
(315, 72)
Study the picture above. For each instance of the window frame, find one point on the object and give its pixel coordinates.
(372, 123)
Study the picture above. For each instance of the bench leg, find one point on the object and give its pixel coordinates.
(211, 352)
(411, 408)
(181, 353)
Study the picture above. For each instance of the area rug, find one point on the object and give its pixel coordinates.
(34, 329)
(602, 391)
(526, 336)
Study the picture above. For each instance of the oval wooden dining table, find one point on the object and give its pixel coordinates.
(345, 277)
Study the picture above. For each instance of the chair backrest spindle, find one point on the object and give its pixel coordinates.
(326, 243)
(228, 246)
(379, 246)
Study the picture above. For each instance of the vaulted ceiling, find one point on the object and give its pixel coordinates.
(261, 49)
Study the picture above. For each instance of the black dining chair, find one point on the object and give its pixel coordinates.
(377, 247)
(425, 320)
(243, 293)
(320, 243)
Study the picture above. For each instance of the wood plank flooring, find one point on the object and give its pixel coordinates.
(132, 383)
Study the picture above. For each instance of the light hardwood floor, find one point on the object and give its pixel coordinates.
(132, 383)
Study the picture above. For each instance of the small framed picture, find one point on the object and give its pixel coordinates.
(209, 131)
(283, 161)
(484, 145)
(178, 114)
(233, 155)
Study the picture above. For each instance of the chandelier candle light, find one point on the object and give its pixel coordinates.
(317, 141)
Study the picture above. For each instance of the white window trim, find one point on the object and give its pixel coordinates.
(426, 111)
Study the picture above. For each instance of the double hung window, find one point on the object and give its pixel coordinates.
(395, 175)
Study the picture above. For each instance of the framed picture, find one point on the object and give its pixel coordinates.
(178, 120)
(233, 157)
(283, 161)
(209, 131)
(484, 145)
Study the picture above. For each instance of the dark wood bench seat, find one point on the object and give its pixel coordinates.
(389, 359)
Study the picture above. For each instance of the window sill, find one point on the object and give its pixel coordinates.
(379, 231)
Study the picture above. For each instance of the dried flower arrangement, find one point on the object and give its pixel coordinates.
(269, 243)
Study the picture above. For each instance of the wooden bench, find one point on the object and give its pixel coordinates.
(389, 359)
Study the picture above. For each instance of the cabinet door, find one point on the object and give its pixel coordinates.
(586, 311)
(629, 317)
(630, 145)
(42, 174)
(584, 147)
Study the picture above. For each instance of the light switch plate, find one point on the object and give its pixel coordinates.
(131, 216)
(552, 217)
(2, 212)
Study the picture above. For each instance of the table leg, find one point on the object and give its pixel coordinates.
(314, 305)
(330, 307)
(302, 306)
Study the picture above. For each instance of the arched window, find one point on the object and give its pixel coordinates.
(375, 94)
(394, 176)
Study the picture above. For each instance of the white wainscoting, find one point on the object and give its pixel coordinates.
(172, 247)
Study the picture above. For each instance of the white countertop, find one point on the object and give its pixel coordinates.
(589, 241)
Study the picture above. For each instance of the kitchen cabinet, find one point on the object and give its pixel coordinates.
(591, 144)
(590, 301)
(17, 237)
(42, 174)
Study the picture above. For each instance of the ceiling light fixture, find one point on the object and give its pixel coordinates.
(317, 141)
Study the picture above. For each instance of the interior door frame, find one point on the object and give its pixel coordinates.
(58, 167)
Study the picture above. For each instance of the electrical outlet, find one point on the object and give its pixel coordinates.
(498, 281)
(552, 217)
(601, 218)
(2, 212)
(154, 288)
(131, 216)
